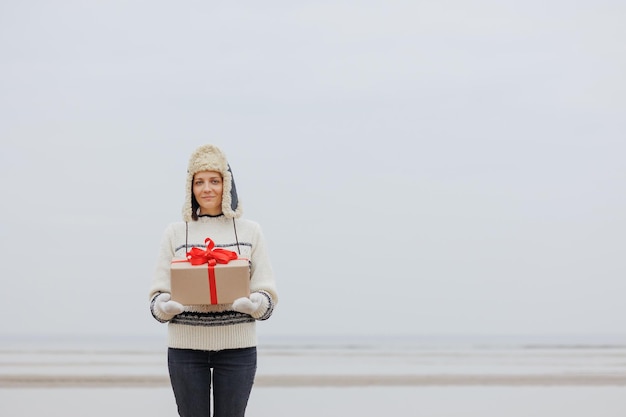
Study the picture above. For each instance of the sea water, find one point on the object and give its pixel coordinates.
(330, 355)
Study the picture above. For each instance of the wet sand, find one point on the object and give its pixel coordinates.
(332, 380)
(292, 381)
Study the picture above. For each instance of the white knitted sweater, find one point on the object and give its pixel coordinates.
(215, 327)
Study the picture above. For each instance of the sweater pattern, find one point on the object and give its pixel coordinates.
(221, 318)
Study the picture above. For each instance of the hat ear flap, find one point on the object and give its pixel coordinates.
(234, 200)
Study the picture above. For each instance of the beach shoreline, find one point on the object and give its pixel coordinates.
(329, 377)
(329, 362)
(337, 381)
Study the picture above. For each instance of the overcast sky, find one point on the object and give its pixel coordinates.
(418, 167)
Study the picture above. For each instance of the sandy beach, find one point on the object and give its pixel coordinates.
(452, 401)
(330, 379)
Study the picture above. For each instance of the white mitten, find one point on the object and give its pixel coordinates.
(248, 305)
(167, 306)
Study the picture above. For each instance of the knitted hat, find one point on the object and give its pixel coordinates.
(211, 158)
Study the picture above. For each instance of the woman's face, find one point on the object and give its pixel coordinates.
(207, 188)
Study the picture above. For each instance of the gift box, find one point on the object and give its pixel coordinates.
(210, 276)
(210, 284)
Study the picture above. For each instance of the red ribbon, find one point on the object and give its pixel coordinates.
(197, 256)
(210, 256)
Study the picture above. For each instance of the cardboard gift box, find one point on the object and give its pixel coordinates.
(210, 284)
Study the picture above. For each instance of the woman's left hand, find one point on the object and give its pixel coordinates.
(248, 305)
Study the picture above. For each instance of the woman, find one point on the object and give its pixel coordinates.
(212, 344)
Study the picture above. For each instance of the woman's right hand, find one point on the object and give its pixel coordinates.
(167, 306)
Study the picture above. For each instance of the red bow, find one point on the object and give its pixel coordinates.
(197, 256)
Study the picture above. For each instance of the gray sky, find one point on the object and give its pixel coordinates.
(417, 167)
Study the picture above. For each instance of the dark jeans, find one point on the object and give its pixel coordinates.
(231, 371)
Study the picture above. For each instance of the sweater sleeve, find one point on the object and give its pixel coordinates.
(161, 279)
(262, 278)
